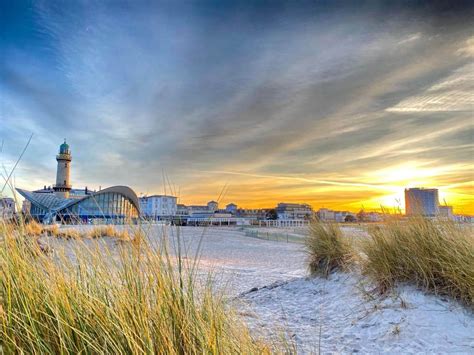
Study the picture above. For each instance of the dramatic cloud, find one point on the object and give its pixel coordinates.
(329, 104)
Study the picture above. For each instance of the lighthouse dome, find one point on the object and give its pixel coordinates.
(64, 148)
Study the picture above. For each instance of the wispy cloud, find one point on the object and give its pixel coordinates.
(455, 92)
(288, 102)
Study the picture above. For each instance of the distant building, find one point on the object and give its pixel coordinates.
(345, 216)
(197, 209)
(158, 206)
(374, 217)
(252, 214)
(463, 218)
(325, 214)
(212, 206)
(294, 211)
(7, 208)
(446, 212)
(421, 201)
(231, 208)
(117, 204)
(201, 214)
(181, 210)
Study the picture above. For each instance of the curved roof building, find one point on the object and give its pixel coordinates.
(117, 204)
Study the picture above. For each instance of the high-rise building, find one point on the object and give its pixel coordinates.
(421, 201)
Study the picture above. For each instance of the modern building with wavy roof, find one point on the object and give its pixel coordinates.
(116, 204)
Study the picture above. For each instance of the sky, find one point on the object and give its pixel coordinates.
(331, 103)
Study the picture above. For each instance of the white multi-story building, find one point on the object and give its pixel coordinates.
(294, 211)
(158, 206)
(211, 207)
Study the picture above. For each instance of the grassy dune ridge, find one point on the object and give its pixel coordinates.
(34, 229)
(435, 255)
(141, 302)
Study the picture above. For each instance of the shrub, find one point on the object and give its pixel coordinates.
(33, 229)
(327, 249)
(96, 232)
(68, 234)
(433, 254)
(53, 230)
(103, 231)
(126, 300)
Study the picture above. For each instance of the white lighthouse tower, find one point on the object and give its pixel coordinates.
(63, 184)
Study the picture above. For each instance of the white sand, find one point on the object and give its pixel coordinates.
(334, 315)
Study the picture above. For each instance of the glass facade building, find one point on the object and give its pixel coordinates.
(109, 206)
(118, 204)
(419, 201)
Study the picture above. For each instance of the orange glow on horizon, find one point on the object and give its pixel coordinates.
(370, 190)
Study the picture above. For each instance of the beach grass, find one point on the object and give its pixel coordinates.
(110, 231)
(434, 254)
(33, 228)
(135, 299)
(327, 249)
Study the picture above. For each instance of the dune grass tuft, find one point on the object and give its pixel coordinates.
(102, 231)
(111, 231)
(52, 230)
(327, 250)
(33, 229)
(68, 233)
(132, 299)
(436, 255)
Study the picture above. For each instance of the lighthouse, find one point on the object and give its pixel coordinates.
(63, 185)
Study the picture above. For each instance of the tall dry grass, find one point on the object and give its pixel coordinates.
(327, 249)
(33, 228)
(137, 299)
(109, 231)
(437, 255)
